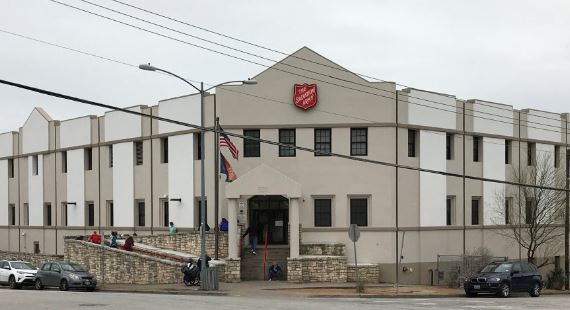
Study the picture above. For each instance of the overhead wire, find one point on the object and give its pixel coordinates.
(287, 54)
(270, 100)
(301, 148)
(292, 73)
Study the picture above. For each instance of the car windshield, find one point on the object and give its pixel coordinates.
(22, 265)
(72, 267)
(498, 268)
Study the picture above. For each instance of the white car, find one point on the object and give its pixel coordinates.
(17, 273)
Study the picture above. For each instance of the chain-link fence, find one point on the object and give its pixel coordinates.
(451, 270)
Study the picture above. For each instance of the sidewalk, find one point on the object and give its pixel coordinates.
(280, 289)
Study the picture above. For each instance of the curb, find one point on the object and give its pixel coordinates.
(166, 292)
(428, 296)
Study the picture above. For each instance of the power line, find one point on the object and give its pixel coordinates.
(354, 158)
(271, 100)
(284, 53)
(285, 71)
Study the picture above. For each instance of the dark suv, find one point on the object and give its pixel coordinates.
(502, 278)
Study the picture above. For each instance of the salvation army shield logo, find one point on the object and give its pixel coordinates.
(305, 95)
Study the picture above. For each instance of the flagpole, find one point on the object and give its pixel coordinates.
(216, 179)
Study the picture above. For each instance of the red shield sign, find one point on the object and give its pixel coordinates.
(305, 95)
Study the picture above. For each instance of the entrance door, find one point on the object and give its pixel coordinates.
(270, 214)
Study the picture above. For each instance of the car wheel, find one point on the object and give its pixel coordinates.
(12, 283)
(535, 291)
(63, 285)
(504, 290)
(38, 285)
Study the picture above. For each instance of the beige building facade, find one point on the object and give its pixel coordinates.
(131, 173)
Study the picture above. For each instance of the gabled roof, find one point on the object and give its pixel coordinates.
(42, 112)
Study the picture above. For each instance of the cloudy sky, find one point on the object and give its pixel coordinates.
(513, 52)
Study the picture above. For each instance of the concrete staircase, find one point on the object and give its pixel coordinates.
(252, 265)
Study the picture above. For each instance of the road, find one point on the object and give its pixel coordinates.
(53, 299)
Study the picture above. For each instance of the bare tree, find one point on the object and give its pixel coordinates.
(534, 216)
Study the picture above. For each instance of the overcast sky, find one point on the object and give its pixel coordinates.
(513, 52)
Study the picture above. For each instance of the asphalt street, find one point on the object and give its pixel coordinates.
(53, 299)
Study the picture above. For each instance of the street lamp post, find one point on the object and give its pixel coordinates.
(204, 280)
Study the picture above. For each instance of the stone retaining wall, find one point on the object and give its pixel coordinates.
(330, 249)
(368, 273)
(187, 242)
(317, 269)
(36, 259)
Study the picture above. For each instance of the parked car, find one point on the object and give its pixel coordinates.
(503, 278)
(65, 276)
(17, 273)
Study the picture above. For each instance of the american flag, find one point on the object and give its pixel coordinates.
(225, 141)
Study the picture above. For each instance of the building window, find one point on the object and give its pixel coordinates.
(557, 156)
(412, 142)
(164, 214)
(164, 150)
(359, 211)
(251, 148)
(140, 214)
(358, 141)
(26, 220)
(323, 216)
(35, 168)
(323, 140)
(529, 211)
(475, 212)
(47, 214)
(508, 151)
(199, 218)
(90, 214)
(89, 159)
(198, 137)
(476, 149)
(110, 213)
(110, 148)
(508, 211)
(530, 154)
(64, 162)
(12, 214)
(10, 168)
(287, 136)
(450, 211)
(64, 213)
(449, 146)
(139, 153)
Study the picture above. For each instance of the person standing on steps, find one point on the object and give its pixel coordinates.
(252, 231)
(172, 229)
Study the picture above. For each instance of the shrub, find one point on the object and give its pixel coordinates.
(555, 279)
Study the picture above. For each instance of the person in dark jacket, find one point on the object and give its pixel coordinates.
(129, 243)
(224, 224)
(274, 271)
(252, 232)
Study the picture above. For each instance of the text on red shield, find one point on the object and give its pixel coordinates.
(305, 95)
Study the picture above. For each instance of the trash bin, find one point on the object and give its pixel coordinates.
(209, 279)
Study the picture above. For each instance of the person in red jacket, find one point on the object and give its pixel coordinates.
(95, 238)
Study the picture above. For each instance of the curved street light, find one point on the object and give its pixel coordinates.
(148, 67)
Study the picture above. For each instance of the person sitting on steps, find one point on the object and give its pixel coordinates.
(275, 271)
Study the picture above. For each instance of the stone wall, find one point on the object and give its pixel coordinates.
(115, 266)
(232, 271)
(36, 259)
(368, 273)
(187, 242)
(330, 249)
(317, 269)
